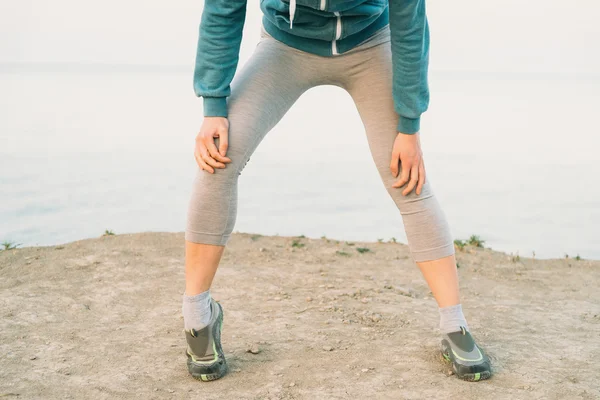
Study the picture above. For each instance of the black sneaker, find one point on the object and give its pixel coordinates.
(205, 358)
(468, 361)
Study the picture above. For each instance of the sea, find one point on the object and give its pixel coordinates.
(89, 148)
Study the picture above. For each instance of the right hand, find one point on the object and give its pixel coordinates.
(206, 153)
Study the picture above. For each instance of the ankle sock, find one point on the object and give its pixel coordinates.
(452, 318)
(196, 310)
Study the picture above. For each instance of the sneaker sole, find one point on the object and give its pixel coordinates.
(220, 366)
(470, 377)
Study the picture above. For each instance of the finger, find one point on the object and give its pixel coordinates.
(214, 153)
(394, 164)
(421, 178)
(223, 144)
(404, 174)
(202, 164)
(209, 160)
(414, 179)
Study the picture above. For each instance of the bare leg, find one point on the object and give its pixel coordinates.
(201, 262)
(442, 278)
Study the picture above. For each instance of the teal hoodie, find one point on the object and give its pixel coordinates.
(342, 25)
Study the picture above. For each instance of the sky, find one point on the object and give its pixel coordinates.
(533, 36)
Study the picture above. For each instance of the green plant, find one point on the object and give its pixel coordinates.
(515, 258)
(255, 237)
(460, 244)
(578, 258)
(393, 240)
(301, 237)
(10, 245)
(379, 240)
(349, 244)
(108, 233)
(362, 250)
(476, 241)
(297, 243)
(342, 253)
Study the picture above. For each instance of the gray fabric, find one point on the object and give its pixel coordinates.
(196, 310)
(263, 91)
(452, 318)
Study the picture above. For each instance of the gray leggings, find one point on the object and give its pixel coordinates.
(265, 88)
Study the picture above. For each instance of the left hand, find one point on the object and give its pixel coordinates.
(407, 151)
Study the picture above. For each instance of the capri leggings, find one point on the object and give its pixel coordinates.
(262, 92)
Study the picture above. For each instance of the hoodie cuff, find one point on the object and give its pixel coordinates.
(409, 125)
(215, 106)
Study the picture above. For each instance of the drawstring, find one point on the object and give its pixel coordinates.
(292, 11)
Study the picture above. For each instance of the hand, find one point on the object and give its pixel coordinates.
(206, 153)
(407, 151)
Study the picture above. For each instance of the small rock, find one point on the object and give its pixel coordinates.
(253, 349)
(365, 370)
(309, 298)
(277, 298)
(405, 291)
(327, 348)
(170, 391)
(292, 384)
(376, 317)
(33, 358)
(364, 300)
(156, 389)
(330, 286)
(450, 373)
(262, 249)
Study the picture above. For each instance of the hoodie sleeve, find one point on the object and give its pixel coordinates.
(410, 59)
(218, 51)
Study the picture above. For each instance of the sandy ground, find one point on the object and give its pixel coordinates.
(101, 319)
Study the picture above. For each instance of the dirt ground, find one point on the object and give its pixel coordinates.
(101, 319)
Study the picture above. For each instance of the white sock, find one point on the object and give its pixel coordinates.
(196, 310)
(452, 318)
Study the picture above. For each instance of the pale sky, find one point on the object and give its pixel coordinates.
(491, 35)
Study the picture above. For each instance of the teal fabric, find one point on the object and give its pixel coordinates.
(314, 30)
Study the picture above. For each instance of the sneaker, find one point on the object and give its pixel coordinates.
(205, 358)
(468, 361)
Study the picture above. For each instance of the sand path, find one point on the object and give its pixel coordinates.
(101, 319)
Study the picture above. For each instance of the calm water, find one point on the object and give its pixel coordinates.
(511, 158)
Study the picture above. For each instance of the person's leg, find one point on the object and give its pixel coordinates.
(261, 93)
(368, 81)
(368, 78)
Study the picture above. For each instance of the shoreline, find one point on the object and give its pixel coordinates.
(467, 248)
